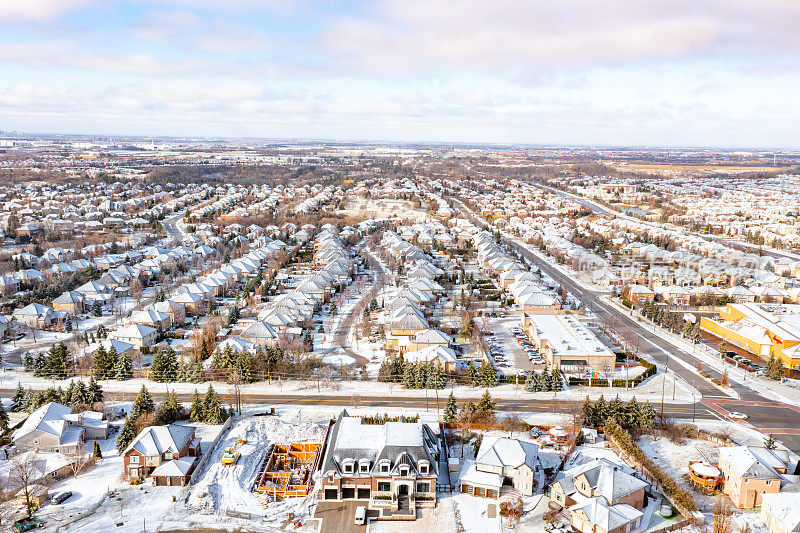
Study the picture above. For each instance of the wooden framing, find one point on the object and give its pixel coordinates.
(287, 471)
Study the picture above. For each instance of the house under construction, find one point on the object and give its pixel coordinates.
(287, 471)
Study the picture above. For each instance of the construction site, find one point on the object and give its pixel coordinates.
(287, 471)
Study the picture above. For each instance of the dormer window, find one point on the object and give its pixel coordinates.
(348, 466)
(404, 471)
(363, 466)
(385, 467)
(424, 467)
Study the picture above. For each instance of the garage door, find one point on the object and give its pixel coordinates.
(348, 494)
(491, 493)
(331, 494)
(161, 481)
(464, 488)
(363, 494)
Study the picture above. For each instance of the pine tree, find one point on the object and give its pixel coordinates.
(556, 381)
(485, 403)
(531, 383)
(123, 370)
(647, 418)
(94, 392)
(165, 366)
(212, 409)
(101, 363)
(96, 453)
(3, 420)
(18, 400)
(143, 403)
(632, 414)
(450, 408)
(196, 410)
(588, 412)
(126, 434)
(435, 378)
(408, 376)
(69, 394)
(472, 373)
(56, 365)
(600, 412)
(488, 375)
(545, 380)
(616, 410)
(243, 367)
(170, 410)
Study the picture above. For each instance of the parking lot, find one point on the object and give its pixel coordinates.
(509, 354)
(340, 516)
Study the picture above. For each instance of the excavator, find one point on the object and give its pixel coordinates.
(231, 456)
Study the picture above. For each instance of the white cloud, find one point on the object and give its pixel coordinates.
(39, 10)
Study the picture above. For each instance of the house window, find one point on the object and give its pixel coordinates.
(423, 487)
(423, 469)
(363, 468)
(404, 471)
(168, 456)
(384, 486)
(384, 467)
(133, 459)
(348, 468)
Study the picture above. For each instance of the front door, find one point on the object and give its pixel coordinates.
(402, 497)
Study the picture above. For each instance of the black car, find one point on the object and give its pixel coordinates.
(61, 497)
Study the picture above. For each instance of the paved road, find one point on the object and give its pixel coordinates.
(762, 411)
(523, 403)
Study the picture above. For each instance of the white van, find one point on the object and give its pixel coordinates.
(361, 515)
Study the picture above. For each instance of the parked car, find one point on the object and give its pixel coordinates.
(736, 415)
(61, 497)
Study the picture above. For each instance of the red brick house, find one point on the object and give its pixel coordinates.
(167, 453)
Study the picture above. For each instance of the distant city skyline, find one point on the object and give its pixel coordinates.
(719, 73)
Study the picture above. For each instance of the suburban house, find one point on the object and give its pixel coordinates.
(167, 453)
(394, 466)
(600, 497)
(750, 472)
(137, 334)
(638, 294)
(55, 428)
(501, 462)
(70, 301)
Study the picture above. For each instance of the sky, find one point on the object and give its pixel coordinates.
(628, 72)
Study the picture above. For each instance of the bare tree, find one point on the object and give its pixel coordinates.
(78, 459)
(26, 476)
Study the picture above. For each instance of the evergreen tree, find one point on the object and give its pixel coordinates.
(196, 409)
(469, 409)
(212, 409)
(632, 414)
(126, 434)
(769, 442)
(600, 412)
(3, 420)
(435, 378)
(123, 370)
(545, 380)
(588, 412)
(170, 410)
(101, 363)
(165, 366)
(472, 373)
(616, 410)
(485, 403)
(56, 365)
(647, 418)
(96, 453)
(94, 392)
(531, 382)
(143, 403)
(81, 394)
(556, 381)
(450, 408)
(408, 376)
(69, 394)
(40, 365)
(96, 309)
(488, 375)
(18, 400)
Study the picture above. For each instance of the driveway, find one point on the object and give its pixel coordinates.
(340, 516)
